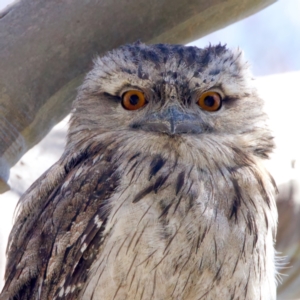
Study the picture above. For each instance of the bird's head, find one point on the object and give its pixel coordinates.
(173, 93)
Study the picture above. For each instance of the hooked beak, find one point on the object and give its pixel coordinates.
(172, 120)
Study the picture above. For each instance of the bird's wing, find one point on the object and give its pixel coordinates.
(59, 229)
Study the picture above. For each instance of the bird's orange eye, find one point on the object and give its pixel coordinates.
(132, 100)
(210, 101)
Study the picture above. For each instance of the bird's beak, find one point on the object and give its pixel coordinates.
(172, 120)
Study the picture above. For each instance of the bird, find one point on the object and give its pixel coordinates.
(162, 190)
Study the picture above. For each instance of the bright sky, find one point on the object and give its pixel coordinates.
(4, 3)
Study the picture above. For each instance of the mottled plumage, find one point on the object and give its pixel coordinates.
(168, 201)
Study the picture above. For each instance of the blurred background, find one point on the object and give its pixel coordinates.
(270, 40)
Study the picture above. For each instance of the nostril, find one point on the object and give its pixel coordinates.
(135, 125)
(173, 112)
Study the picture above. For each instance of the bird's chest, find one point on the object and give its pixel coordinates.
(168, 237)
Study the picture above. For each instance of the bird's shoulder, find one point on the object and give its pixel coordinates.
(59, 227)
